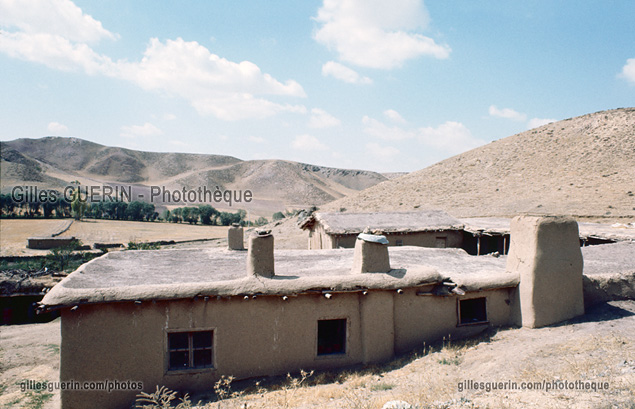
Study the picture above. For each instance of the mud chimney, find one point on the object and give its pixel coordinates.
(371, 254)
(235, 237)
(260, 254)
(545, 251)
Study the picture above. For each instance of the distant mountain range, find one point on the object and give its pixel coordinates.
(583, 166)
(53, 162)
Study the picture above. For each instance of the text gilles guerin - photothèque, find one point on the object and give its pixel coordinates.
(96, 193)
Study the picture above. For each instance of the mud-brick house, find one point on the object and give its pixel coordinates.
(429, 228)
(183, 318)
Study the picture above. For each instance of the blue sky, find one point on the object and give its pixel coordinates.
(381, 85)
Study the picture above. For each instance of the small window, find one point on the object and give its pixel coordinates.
(441, 242)
(190, 350)
(399, 243)
(472, 311)
(331, 337)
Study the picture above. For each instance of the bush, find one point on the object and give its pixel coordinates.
(133, 245)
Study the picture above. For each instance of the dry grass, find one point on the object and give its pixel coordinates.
(582, 166)
(600, 348)
(591, 351)
(115, 231)
(13, 233)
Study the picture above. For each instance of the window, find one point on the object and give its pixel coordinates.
(190, 350)
(399, 243)
(441, 242)
(472, 311)
(331, 337)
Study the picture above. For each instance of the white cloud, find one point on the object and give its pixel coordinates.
(391, 133)
(213, 85)
(179, 143)
(450, 137)
(55, 17)
(376, 33)
(536, 122)
(146, 129)
(628, 71)
(394, 116)
(507, 113)
(307, 142)
(57, 128)
(322, 119)
(169, 117)
(343, 73)
(256, 139)
(54, 51)
(385, 153)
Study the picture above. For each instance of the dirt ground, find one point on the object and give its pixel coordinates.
(597, 348)
(14, 232)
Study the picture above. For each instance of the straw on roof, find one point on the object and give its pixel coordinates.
(186, 273)
(386, 222)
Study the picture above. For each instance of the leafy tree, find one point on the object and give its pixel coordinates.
(243, 216)
(190, 214)
(7, 205)
(165, 215)
(226, 218)
(261, 221)
(147, 211)
(177, 214)
(62, 207)
(134, 211)
(33, 208)
(78, 204)
(207, 214)
(47, 208)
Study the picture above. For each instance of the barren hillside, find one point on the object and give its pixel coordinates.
(53, 162)
(583, 166)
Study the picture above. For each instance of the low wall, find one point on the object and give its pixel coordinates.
(599, 288)
(47, 243)
(442, 239)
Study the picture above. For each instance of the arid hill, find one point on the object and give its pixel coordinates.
(584, 166)
(53, 162)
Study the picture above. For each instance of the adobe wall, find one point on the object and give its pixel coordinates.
(265, 336)
(422, 239)
(437, 317)
(254, 337)
(318, 239)
(47, 243)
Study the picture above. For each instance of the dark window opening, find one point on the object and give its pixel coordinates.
(190, 350)
(331, 337)
(399, 243)
(441, 242)
(593, 241)
(472, 311)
